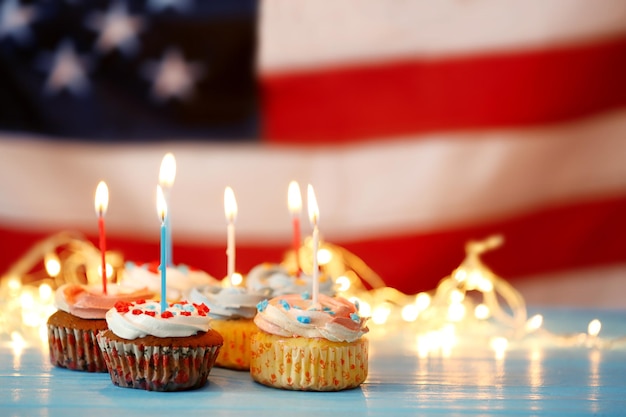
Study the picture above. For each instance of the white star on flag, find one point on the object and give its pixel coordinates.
(14, 21)
(67, 72)
(173, 76)
(179, 5)
(117, 29)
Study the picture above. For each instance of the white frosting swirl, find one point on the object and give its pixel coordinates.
(180, 279)
(293, 315)
(228, 302)
(139, 319)
(276, 280)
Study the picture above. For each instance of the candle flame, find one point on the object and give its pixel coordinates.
(294, 198)
(230, 204)
(314, 213)
(101, 202)
(167, 173)
(161, 204)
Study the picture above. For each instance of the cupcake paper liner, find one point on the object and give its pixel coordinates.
(157, 368)
(75, 349)
(235, 353)
(308, 364)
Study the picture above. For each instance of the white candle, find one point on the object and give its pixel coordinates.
(314, 218)
(230, 210)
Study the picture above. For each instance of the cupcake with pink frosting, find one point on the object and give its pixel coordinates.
(80, 315)
(309, 346)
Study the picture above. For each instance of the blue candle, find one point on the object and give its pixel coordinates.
(163, 266)
(162, 210)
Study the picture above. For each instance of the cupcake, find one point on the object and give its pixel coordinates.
(311, 348)
(232, 310)
(180, 278)
(145, 348)
(275, 280)
(72, 329)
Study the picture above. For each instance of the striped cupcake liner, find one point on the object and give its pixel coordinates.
(75, 349)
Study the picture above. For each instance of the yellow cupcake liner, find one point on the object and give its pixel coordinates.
(235, 353)
(308, 364)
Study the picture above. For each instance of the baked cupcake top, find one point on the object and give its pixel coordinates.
(276, 280)
(180, 278)
(131, 320)
(293, 315)
(89, 302)
(227, 302)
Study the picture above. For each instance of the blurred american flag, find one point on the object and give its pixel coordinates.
(421, 125)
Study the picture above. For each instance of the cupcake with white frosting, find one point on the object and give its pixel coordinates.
(232, 310)
(149, 348)
(275, 280)
(181, 279)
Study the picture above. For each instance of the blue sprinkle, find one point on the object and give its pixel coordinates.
(356, 304)
(151, 306)
(262, 305)
(189, 307)
(304, 319)
(184, 269)
(297, 307)
(355, 317)
(178, 306)
(306, 295)
(285, 305)
(332, 313)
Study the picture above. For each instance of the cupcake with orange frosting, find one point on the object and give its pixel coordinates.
(80, 315)
(232, 310)
(159, 349)
(309, 346)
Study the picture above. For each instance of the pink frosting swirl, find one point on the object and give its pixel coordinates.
(89, 302)
(294, 315)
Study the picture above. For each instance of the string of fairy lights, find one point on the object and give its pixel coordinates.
(471, 306)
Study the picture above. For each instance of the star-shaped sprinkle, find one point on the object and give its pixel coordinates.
(173, 77)
(118, 29)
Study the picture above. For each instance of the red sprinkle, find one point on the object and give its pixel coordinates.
(140, 301)
(185, 313)
(136, 311)
(167, 314)
(150, 313)
(123, 306)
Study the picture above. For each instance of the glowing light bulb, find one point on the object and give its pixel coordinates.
(594, 327)
(481, 312)
(45, 292)
(380, 314)
(52, 264)
(456, 296)
(456, 312)
(410, 312)
(343, 283)
(324, 256)
(236, 279)
(534, 323)
(422, 301)
(499, 344)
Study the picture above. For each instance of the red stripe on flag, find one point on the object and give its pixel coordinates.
(554, 239)
(396, 98)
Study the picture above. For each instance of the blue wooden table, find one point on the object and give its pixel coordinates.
(542, 380)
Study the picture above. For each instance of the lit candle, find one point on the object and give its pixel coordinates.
(167, 174)
(162, 211)
(294, 201)
(314, 218)
(101, 203)
(230, 210)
